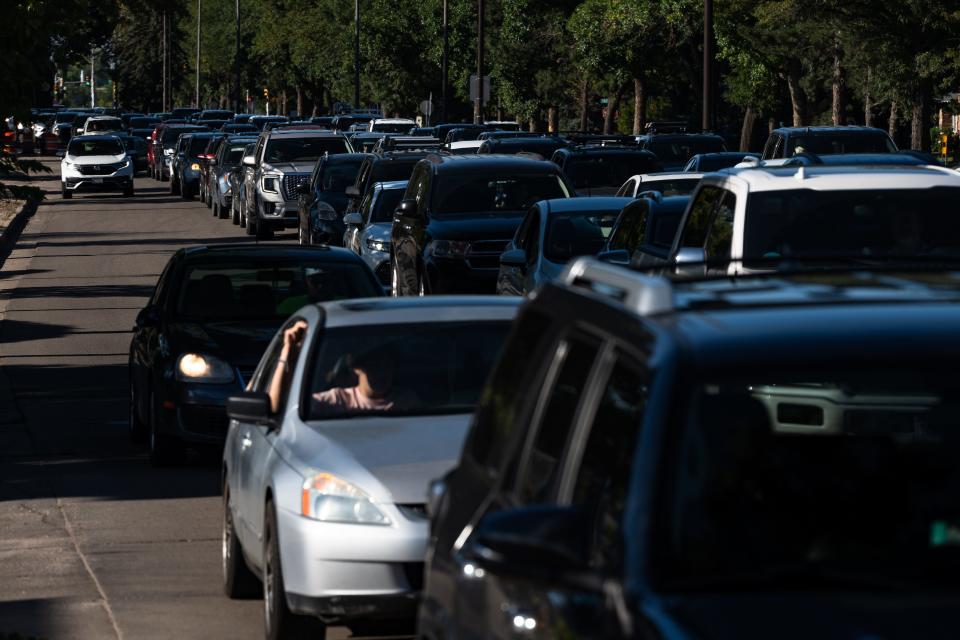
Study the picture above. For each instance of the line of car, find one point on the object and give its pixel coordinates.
(705, 398)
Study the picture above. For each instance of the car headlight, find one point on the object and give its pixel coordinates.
(168, 152)
(327, 498)
(200, 367)
(448, 248)
(69, 165)
(270, 183)
(195, 166)
(375, 244)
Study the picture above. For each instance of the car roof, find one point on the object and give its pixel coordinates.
(367, 311)
(667, 175)
(572, 205)
(468, 163)
(607, 151)
(347, 157)
(830, 130)
(389, 185)
(97, 136)
(268, 251)
(302, 133)
(839, 178)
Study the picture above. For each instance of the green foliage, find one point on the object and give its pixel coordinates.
(13, 168)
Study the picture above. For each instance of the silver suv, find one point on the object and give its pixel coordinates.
(281, 161)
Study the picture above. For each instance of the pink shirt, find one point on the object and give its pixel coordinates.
(350, 399)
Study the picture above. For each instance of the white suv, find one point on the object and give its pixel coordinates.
(96, 163)
(749, 218)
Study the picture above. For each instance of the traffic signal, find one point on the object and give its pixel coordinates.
(266, 93)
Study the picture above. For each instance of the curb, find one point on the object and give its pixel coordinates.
(12, 231)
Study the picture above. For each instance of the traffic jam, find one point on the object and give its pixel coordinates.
(531, 385)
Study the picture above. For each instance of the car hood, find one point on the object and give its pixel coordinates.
(240, 343)
(393, 459)
(95, 159)
(379, 231)
(844, 615)
(484, 226)
(289, 167)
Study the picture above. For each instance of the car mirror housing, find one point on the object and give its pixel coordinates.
(249, 406)
(513, 258)
(249, 161)
(615, 256)
(352, 219)
(352, 191)
(407, 208)
(149, 316)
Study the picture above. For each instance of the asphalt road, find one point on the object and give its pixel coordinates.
(94, 543)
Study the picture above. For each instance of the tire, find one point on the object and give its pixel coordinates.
(186, 193)
(238, 581)
(207, 197)
(174, 187)
(262, 233)
(65, 193)
(165, 450)
(138, 430)
(128, 192)
(216, 210)
(251, 230)
(222, 212)
(279, 622)
(234, 213)
(302, 238)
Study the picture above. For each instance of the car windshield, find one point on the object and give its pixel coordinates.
(390, 170)
(198, 145)
(580, 233)
(234, 156)
(170, 136)
(683, 149)
(607, 171)
(392, 127)
(509, 194)
(671, 187)
(337, 176)
(816, 479)
(98, 147)
(840, 144)
(403, 369)
(385, 204)
(268, 289)
(104, 125)
(861, 223)
(303, 149)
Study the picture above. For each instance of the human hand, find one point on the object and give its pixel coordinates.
(293, 335)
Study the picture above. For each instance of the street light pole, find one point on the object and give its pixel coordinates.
(356, 54)
(93, 83)
(197, 94)
(478, 107)
(708, 55)
(443, 66)
(236, 66)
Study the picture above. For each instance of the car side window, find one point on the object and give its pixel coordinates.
(520, 239)
(778, 148)
(160, 291)
(541, 466)
(720, 236)
(627, 189)
(630, 227)
(701, 216)
(532, 241)
(509, 393)
(315, 179)
(274, 377)
(602, 480)
(366, 207)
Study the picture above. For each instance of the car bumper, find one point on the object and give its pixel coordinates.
(379, 263)
(196, 413)
(340, 572)
(98, 183)
(457, 276)
(278, 215)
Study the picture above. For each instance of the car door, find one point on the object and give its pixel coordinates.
(511, 276)
(695, 227)
(534, 479)
(145, 342)
(353, 234)
(719, 242)
(408, 231)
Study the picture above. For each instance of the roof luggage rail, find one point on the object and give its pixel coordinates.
(644, 295)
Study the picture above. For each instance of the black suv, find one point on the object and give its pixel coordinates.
(787, 142)
(601, 171)
(457, 216)
(323, 200)
(763, 457)
(675, 149)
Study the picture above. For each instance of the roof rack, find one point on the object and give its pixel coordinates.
(642, 294)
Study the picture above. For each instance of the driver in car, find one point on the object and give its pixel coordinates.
(374, 391)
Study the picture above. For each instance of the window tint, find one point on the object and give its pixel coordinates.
(504, 399)
(629, 232)
(543, 460)
(386, 204)
(580, 233)
(701, 215)
(603, 479)
(337, 176)
(721, 231)
(476, 193)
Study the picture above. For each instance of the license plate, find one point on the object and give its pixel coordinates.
(98, 181)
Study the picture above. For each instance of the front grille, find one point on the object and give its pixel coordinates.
(413, 572)
(208, 421)
(485, 254)
(98, 169)
(290, 184)
(384, 274)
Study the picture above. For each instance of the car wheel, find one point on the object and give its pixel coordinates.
(208, 198)
(174, 187)
(216, 210)
(238, 581)
(186, 193)
(128, 192)
(234, 213)
(65, 193)
(279, 621)
(165, 450)
(138, 430)
(251, 229)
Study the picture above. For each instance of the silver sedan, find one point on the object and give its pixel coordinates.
(353, 409)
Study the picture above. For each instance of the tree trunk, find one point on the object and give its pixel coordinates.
(839, 84)
(771, 125)
(746, 131)
(639, 106)
(868, 100)
(919, 137)
(584, 103)
(282, 107)
(798, 99)
(613, 105)
(893, 120)
(299, 101)
(553, 120)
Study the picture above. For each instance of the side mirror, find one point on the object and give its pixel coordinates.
(353, 219)
(514, 258)
(435, 492)
(615, 256)
(690, 255)
(303, 188)
(61, 153)
(212, 161)
(249, 161)
(249, 406)
(149, 316)
(544, 541)
(352, 191)
(407, 208)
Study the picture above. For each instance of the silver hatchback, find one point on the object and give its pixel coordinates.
(353, 409)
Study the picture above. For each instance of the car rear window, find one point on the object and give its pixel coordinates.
(607, 171)
(303, 149)
(506, 193)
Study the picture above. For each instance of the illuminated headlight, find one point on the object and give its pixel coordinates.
(195, 166)
(198, 367)
(270, 183)
(378, 245)
(328, 498)
(448, 248)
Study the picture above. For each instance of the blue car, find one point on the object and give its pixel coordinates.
(552, 233)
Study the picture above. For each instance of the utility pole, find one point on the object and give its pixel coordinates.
(236, 65)
(93, 83)
(163, 64)
(708, 55)
(197, 95)
(443, 65)
(356, 54)
(478, 107)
